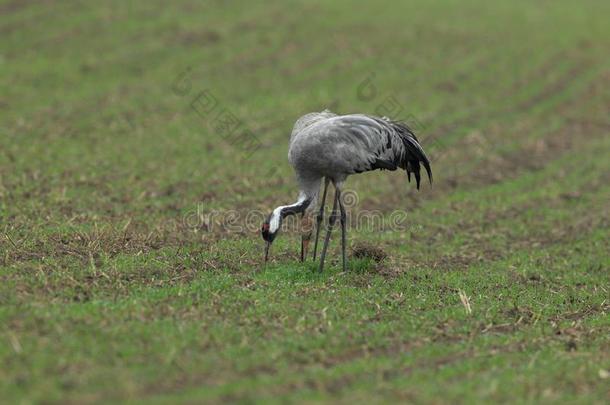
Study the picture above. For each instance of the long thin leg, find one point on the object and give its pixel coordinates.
(343, 219)
(320, 217)
(305, 234)
(331, 223)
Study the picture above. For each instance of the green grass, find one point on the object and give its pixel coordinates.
(115, 287)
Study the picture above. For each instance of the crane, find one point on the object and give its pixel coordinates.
(328, 147)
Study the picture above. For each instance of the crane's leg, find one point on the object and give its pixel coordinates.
(331, 223)
(320, 217)
(343, 220)
(306, 231)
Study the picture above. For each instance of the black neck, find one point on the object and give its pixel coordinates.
(296, 208)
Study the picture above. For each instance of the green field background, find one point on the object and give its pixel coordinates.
(124, 278)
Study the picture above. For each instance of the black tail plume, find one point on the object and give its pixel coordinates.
(414, 153)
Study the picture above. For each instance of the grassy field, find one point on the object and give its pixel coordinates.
(127, 271)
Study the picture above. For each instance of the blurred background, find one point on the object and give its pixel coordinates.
(125, 124)
(93, 124)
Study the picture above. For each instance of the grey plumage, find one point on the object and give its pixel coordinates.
(324, 145)
(329, 145)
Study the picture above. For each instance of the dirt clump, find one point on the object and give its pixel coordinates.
(365, 250)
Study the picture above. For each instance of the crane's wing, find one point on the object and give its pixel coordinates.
(308, 120)
(367, 143)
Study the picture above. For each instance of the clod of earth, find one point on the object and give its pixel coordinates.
(365, 250)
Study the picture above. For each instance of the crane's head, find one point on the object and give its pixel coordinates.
(270, 229)
(273, 223)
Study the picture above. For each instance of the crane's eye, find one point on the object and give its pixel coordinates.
(265, 232)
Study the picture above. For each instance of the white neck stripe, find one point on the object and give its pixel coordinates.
(276, 216)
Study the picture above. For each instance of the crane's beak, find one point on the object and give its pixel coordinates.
(267, 246)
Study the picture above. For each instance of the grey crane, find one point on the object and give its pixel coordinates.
(330, 147)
